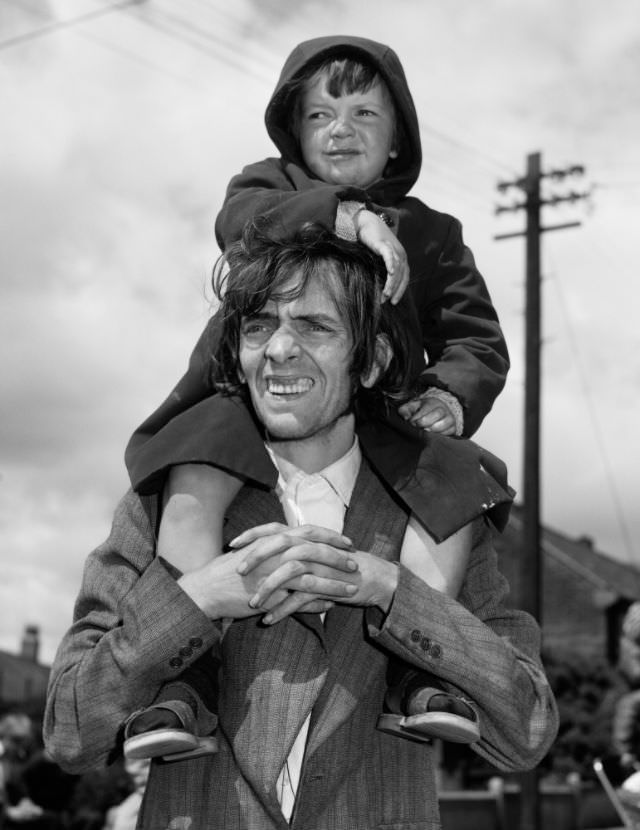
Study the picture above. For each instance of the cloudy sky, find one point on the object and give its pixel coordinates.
(121, 125)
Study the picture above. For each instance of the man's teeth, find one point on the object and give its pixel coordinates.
(289, 387)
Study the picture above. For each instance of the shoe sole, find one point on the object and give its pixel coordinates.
(425, 727)
(173, 744)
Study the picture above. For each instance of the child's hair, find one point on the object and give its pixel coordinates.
(257, 268)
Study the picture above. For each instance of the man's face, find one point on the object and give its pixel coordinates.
(347, 140)
(295, 357)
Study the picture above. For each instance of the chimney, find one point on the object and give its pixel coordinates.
(31, 643)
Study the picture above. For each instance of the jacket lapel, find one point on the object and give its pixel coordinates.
(375, 525)
(268, 693)
(298, 666)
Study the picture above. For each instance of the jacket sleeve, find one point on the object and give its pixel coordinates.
(489, 652)
(133, 630)
(465, 345)
(282, 193)
(147, 455)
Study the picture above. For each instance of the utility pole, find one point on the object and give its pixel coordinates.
(531, 571)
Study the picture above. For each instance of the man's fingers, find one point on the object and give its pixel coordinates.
(310, 532)
(275, 599)
(334, 551)
(314, 606)
(255, 533)
(297, 601)
(322, 582)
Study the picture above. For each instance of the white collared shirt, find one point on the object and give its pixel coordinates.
(321, 499)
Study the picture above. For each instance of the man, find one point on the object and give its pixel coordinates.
(306, 338)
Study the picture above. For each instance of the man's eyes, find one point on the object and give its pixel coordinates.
(262, 328)
(254, 327)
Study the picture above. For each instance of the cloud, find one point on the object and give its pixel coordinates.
(118, 141)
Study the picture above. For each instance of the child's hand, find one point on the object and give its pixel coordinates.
(429, 413)
(373, 233)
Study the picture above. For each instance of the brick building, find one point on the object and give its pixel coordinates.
(23, 680)
(585, 593)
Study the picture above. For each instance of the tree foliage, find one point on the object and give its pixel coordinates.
(586, 691)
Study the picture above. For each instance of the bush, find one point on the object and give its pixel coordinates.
(586, 691)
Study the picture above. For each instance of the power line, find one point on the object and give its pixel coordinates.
(621, 185)
(135, 57)
(67, 24)
(613, 490)
(274, 67)
(172, 32)
(494, 163)
(236, 26)
(171, 27)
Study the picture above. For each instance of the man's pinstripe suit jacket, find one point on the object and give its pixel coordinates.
(134, 629)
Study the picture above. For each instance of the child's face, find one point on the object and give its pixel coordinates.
(347, 140)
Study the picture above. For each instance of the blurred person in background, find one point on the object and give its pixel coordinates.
(125, 815)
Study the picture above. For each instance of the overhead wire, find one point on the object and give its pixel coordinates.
(262, 69)
(445, 174)
(134, 57)
(58, 25)
(595, 423)
(237, 27)
(216, 48)
(496, 166)
(228, 59)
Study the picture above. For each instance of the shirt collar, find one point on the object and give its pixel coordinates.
(341, 475)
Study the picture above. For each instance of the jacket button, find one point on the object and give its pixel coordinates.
(425, 642)
(415, 636)
(175, 662)
(195, 642)
(185, 651)
(435, 651)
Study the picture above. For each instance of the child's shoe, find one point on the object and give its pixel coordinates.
(166, 730)
(420, 711)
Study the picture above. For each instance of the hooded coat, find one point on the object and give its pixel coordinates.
(447, 310)
(447, 306)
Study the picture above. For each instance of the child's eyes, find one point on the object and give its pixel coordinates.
(317, 114)
(321, 115)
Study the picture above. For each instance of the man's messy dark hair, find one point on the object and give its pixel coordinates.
(257, 268)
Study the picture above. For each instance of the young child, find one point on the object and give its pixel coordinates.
(344, 121)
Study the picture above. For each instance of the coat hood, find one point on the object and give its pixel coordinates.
(402, 173)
